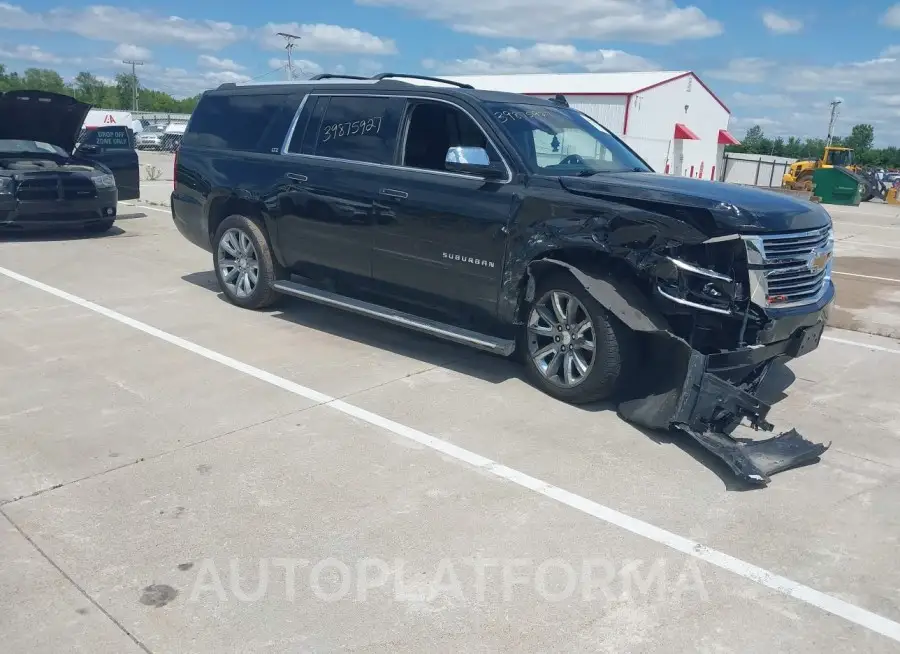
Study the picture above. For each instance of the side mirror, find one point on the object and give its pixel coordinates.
(472, 161)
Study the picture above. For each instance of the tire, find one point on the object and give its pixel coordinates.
(99, 227)
(614, 344)
(233, 234)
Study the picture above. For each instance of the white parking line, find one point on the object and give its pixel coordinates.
(141, 206)
(851, 240)
(880, 279)
(783, 585)
(868, 346)
(844, 222)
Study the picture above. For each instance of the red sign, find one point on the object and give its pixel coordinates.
(109, 120)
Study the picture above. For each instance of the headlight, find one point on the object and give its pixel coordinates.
(690, 285)
(6, 185)
(104, 181)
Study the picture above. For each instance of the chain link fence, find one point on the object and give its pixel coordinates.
(162, 131)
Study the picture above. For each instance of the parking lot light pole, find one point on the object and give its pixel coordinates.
(134, 82)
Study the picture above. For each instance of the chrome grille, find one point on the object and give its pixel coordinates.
(789, 269)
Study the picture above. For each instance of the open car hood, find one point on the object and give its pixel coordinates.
(42, 116)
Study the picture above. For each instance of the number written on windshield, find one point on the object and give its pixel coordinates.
(507, 115)
(356, 128)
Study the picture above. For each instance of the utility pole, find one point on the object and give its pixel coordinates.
(134, 82)
(834, 114)
(289, 47)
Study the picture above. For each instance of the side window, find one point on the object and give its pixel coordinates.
(234, 121)
(359, 128)
(435, 127)
(108, 138)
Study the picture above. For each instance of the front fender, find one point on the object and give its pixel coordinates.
(621, 298)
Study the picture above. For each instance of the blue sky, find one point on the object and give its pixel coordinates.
(776, 64)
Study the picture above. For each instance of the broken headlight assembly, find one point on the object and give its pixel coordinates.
(701, 279)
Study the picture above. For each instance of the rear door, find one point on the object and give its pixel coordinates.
(336, 161)
(113, 146)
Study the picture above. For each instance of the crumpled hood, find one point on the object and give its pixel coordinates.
(732, 207)
(42, 116)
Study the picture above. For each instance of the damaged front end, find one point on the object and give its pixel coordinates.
(709, 340)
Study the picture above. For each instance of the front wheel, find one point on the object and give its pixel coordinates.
(574, 349)
(245, 266)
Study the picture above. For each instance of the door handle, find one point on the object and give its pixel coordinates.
(296, 177)
(392, 193)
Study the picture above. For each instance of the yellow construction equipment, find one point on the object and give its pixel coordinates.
(799, 176)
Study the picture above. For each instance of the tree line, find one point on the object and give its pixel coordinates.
(861, 139)
(88, 88)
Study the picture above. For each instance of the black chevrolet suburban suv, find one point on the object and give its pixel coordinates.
(513, 224)
(49, 178)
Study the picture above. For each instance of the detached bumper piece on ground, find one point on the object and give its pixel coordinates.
(695, 401)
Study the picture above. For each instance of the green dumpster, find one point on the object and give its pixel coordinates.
(838, 186)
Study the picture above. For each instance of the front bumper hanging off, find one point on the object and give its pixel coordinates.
(696, 401)
(691, 393)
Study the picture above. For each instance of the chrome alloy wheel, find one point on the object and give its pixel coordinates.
(561, 339)
(238, 263)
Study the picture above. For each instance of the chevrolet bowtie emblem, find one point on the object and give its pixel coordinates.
(818, 262)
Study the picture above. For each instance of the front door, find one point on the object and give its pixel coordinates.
(113, 146)
(443, 235)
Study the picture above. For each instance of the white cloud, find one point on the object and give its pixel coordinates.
(747, 70)
(887, 100)
(30, 53)
(861, 75)
(129, 51)
(773, 100)
(541, 57)
(326, 38)
(891, 51)
(891, 17)
(208, 61)
(650, 21)
(182, 83)
(302, 67)
(106, 23)
(779, 24)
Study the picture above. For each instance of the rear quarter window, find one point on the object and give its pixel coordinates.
(239, 122)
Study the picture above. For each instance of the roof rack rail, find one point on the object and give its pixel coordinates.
(423, 77)
(226, 85)
(335, 76)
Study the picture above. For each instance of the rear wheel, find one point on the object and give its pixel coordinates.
(244, 264)
(574, 349)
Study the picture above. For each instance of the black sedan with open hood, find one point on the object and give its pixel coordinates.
(49, 180)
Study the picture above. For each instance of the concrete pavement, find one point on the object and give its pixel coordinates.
(154, 482)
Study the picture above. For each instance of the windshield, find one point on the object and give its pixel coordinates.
(563, 141)
(841, 157)
(29, 147)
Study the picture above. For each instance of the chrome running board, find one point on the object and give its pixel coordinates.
(440, 330)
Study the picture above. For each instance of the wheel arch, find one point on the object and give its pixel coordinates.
(222, 206)
(605, 278)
